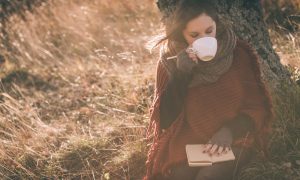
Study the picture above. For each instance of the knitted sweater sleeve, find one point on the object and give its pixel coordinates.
(160, 84)
(153, 130)
(256, 102)
(240, 125)
(161, 78)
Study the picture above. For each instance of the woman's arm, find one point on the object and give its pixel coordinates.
(240, 125)
(167, 114)
(176, 89)
(161, 80)
(232, 131)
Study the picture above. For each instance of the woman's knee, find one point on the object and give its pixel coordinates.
(206, 177)
(227, 170)
(215, 172)
(183, 172)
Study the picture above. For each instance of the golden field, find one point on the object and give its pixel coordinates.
(76, 88)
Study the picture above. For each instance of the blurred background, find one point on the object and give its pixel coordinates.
(77, 82)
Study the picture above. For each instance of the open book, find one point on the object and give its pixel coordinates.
(196, 157)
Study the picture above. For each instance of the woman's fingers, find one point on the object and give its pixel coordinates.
(227, 148)
(221, 149)
(193, 57)
(213, 149)
(191, 53)
(207, 147)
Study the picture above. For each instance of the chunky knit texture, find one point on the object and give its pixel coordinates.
(209, 71)
(207, 108)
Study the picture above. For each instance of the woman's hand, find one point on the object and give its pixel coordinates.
(214, 149)
(220, 142)
(191, 53)
(186, 60)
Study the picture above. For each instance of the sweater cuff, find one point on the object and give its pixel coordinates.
(184, 63)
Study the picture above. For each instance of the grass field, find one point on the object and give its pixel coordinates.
(77, 85)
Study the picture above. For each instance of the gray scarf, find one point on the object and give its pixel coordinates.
(205, 72)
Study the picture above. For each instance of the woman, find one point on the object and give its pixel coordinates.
(222, 103)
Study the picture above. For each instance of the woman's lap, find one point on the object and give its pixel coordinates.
(223, 170)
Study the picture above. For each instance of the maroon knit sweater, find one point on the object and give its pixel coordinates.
(207, 108)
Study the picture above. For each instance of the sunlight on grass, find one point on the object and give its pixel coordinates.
(77, 87)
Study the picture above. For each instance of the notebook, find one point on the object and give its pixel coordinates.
(196, 157)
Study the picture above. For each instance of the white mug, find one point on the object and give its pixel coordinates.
(205, 48)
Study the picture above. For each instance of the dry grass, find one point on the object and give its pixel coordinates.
(76, 104)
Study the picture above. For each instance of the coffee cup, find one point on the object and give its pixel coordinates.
(205, 48)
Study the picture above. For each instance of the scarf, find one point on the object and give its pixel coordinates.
(205, 72)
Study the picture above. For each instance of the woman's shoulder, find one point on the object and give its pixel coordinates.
(246, 54)
(249, 62)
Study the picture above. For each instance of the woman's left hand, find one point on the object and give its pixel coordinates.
(220, 142)
(214, 149)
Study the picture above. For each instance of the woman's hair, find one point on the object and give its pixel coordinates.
(172, 39)
(171, 42)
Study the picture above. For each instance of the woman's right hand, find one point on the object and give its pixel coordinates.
(186, 60)
(191, 53)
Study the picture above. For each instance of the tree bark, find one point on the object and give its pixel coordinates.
(249, 25)
(247, 18)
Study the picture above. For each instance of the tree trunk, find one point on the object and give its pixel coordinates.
(249, 25)
(247, 18)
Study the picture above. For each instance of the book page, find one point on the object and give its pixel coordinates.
(197, 157)
(195, 154)
(223, 157)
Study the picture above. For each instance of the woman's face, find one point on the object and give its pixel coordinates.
(201, 26)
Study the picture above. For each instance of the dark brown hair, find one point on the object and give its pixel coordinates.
(172, 40)
(170, 43)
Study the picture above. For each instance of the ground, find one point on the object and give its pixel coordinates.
(77, 85)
